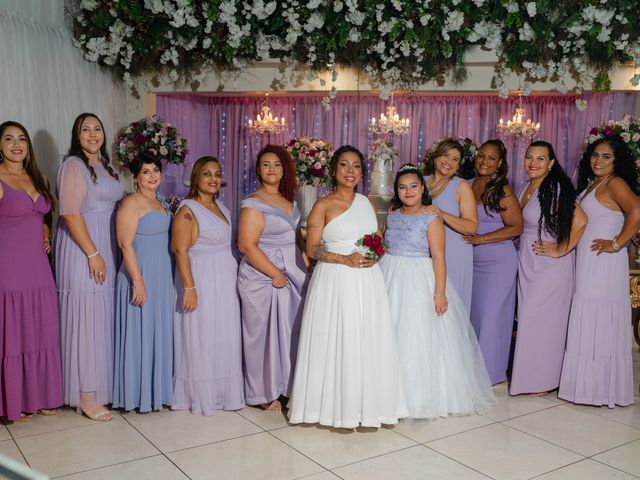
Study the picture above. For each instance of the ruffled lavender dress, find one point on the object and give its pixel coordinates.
(493, 301)
(545, 288)
(86, 308)
(30, 375)
(597, 367)
(271, 316)
(208, 341)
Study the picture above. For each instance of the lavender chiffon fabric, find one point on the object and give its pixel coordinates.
(86, 308)
(458, 253)
(598, 367)
(545, 288)
(271, 316)
(30, 375)
(208, 341)
(493, 299)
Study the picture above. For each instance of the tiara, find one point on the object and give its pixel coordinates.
(408, 167)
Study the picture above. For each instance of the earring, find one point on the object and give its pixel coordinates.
(549, 169)
(494, 176)
(1, 157)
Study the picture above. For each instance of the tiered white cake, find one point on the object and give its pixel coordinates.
(381, 188)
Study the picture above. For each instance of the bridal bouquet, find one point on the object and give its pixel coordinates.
(153, 136)
(373, 244)
(628, 128)
(312, 156)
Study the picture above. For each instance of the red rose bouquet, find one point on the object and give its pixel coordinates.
(373, 244)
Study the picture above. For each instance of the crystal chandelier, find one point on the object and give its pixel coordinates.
(265, 123)
(389, 124)
(517, 127)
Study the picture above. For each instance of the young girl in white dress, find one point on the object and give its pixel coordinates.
(440, 359)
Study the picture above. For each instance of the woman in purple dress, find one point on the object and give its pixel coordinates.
(454, 203)
(207, 331)
(495, 260)
(552, 227)
(271, 280)
(88, 190)
(597, 367)
(30, 375)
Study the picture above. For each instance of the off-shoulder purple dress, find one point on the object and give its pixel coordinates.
(271, 316)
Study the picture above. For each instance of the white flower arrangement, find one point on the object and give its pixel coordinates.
(384, 151)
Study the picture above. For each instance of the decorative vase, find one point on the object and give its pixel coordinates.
(306, 197)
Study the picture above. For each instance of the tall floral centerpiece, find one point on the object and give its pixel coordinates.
(158, 138)
(382, 154)
(312, 156)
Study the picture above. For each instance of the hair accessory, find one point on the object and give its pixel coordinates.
(408, 167)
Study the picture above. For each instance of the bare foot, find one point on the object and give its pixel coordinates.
(274, 406)
(47, 412)
(98, 413)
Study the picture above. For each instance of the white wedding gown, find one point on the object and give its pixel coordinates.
(347, 371)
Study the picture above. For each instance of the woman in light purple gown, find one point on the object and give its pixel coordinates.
(453, 202)
(207, 332)
(597, 367)
(30, 373)
(86, 267)
(552, 227)
(271, 280)
(495, 261)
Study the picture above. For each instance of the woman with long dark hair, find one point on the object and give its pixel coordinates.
(552, 227)
(271, 279)
(86, 252)
(495, 260)
(30, 375)
(207, 328)
(347, 373)
(597, 367)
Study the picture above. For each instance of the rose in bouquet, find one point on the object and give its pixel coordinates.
(382, 150)
(469, 152)
(629, 130)
(373, 246)
(312, 156)
(151, 135)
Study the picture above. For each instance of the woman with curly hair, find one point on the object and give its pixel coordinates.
(495, 260)
(271, 279)
(453, 202)
(552, 227)
(598, 368)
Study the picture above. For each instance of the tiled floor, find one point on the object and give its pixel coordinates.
(519, 438)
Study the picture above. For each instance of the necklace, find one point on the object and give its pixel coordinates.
(438, 186)
(348, 202)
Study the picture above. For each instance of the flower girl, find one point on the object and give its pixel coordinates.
(440, 360)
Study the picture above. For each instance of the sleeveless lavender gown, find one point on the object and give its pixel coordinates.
(86, 308)
(598, 368)
(458, 253)
(271, 316)
(493, 300)
(545, 288)
(208, 341)
(31, 377)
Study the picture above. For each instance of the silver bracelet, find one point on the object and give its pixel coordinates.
(94, 254)
(614, 244)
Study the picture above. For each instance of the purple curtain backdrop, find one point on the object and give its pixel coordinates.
(217, 125)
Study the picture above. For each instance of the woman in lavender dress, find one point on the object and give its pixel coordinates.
(442, 367)
(597, 367)
(31, 378)
(552, 228)
(495, 260)
(454, 203)
(207, 330)
(86, 253)
(271, 280)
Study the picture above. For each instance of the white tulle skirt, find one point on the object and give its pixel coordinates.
(442, 367)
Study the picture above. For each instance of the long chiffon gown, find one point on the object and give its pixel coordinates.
(271, 316)
(143, 371)
(545, 288)
(597, 367)
(347, 372)
(442, 367)
(31, 375)
(208, 341)
(86, 308)
(458, 253)
(493, 300)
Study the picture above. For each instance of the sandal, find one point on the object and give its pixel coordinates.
(48, 412)
(25, 417)
(102, 416)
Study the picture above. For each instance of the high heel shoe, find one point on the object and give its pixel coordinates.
(102, 416)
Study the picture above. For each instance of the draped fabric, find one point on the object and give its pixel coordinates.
(217, 125)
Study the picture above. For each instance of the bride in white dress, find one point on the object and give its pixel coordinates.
(347, 371)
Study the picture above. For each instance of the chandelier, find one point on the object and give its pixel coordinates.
(265, 123)
(389, 123)
(517, 127)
